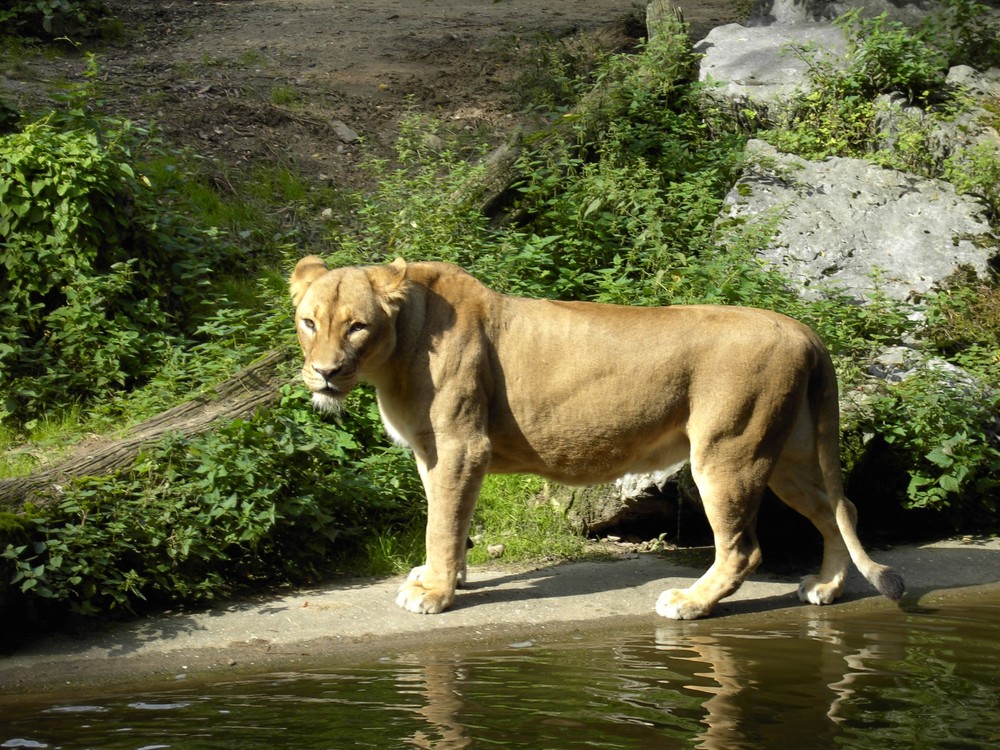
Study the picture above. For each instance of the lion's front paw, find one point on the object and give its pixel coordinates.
(677, 604)
(415, 595)
(416, 574)
(814, 591)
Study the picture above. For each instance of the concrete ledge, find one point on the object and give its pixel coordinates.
(357, 620)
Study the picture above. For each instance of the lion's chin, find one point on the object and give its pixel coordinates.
(327, 401)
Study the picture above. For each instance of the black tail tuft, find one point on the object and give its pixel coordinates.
(890, 584)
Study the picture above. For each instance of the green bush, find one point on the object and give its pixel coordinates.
(886, 56)
(279, 497)
(50, 16)
(96, 280)
(966, 32)
(839, 113)
(944, 426)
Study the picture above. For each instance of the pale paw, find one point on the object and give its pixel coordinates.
(677, 604)
(814, 591)
(416, 574)
(414, 597)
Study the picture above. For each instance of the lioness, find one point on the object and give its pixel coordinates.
(478, 382)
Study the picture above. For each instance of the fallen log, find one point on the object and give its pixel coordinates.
(236, 398)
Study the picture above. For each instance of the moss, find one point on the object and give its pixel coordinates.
(14, 529)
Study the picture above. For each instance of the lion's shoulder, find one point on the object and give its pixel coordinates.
(453, 286)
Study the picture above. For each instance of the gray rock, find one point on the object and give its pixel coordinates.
(939, 138)
(897, 364)
(345, 132)
(980, 84)
(754, 67)
(767, 12)
(844, 221)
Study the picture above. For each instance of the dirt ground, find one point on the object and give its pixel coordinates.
(312, 83)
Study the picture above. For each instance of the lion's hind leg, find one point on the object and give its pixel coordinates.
(799, 483)
(731, 501)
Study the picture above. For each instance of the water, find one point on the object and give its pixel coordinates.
(891, 679)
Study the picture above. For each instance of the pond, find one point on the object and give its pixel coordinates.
(922, 678)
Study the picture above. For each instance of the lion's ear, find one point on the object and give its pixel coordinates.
(390, 283)
(306, 272)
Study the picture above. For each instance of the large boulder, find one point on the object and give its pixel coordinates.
(756, 63)
(856, 226)
(754, 69)
(767, 12)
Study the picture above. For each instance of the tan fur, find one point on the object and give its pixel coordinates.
(477, 382)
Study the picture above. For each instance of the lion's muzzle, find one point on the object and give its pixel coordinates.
(329, 386)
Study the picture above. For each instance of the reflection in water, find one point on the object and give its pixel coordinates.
(895, 679)
(767, 687)
(440, 685)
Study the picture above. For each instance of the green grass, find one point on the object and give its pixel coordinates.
(509, 512)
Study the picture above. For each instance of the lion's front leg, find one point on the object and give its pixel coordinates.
(452, 488)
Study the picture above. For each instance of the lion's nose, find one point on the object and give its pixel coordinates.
(327, 372)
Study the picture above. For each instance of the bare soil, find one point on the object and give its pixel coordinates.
(313, 83)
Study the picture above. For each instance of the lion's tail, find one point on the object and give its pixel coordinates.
(823, 394)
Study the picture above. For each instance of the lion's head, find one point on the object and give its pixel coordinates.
(345, 320)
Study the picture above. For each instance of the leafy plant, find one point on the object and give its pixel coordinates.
(99, 280)
(887, 56)
(975, 170)
(836, 116)
(50, 16)
(276, 497)
(945, 426)
(966, 31)
(554, 72)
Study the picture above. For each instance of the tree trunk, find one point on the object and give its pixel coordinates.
(238, 397)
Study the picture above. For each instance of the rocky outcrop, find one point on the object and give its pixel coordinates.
(771, 12)
(754, 72)
(852, 225)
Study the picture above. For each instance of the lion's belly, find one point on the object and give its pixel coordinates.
(577, 454)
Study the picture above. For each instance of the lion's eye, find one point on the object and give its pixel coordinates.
(356, 328)
(308, 324)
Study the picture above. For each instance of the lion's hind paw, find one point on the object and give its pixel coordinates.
(814, 591)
